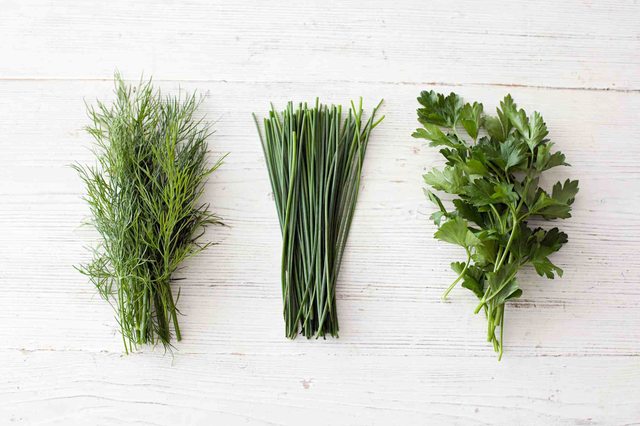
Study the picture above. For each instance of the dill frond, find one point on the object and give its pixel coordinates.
(144, 195)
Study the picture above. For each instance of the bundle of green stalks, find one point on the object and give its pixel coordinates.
(144, 193)
(314, 156)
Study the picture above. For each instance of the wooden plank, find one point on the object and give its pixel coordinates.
(573, 43)
(318, 388)
(404, 357)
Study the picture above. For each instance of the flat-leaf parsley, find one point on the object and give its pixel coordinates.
(493, 171)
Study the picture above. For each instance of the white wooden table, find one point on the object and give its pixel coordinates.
(403, 357)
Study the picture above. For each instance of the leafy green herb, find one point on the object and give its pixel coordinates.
(143, 193)
(494, 172)
(314, 158)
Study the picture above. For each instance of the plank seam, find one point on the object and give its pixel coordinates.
(382, 82)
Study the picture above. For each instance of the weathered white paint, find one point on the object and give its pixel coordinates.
(404, 357)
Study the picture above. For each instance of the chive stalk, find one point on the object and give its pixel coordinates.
(314, 157)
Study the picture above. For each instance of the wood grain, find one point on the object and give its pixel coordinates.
(74, 387)
(573, 43)
(404, 357)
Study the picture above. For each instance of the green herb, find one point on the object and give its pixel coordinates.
(314, 158)
(144, 195)
(494, 173)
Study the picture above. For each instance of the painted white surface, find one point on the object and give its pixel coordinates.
(404, 357)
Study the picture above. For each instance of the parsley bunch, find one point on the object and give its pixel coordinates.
(493, 171)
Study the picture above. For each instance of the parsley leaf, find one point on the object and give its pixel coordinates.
(433, 133)
(438, 109)
(472, 119)
(456, 231)
(450, 179)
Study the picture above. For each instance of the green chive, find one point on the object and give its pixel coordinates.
(314, 157)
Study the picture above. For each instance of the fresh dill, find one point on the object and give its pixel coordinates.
(144, 195)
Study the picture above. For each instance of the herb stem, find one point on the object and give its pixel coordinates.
(495, 211)
(453, 284)
(314, 157)
(509, 242)
(501, 330)
(486, 299)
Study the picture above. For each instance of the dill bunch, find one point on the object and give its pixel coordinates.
(314, 157)
(143, 193)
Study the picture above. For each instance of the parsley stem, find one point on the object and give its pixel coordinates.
(486, 299)
(490, 328)
(455, 131)
(499, 254)
(453, 284)
(508, 246)
(497, 216)
(501, 330)
(495, 169)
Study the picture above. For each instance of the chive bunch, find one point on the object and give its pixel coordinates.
(314, 156)
(144, 193)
